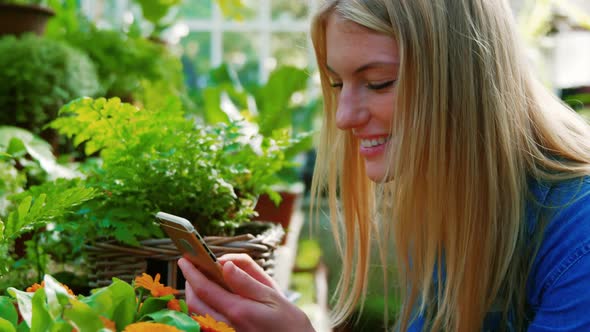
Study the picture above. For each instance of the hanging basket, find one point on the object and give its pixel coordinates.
(108, 258)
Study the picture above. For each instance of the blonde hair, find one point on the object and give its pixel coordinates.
(472, 126)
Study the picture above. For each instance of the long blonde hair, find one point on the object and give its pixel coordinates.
(471, 126)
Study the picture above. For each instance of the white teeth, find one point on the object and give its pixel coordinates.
(369, 143)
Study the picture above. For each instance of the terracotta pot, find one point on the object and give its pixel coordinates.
(268, 211)
(18, 19)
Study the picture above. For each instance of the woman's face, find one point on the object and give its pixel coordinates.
(363, 67)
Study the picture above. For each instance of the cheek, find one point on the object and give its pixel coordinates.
(383, 109)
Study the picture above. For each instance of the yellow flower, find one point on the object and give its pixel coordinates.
(36, 286)
(154, 285)
(150, 327)
(108, 324)
(209, 324)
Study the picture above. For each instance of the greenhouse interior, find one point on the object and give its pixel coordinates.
(139, 136)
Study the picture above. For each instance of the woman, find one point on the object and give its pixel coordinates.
(450, 156)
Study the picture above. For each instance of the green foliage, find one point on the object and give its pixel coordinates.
(231, 8)
(160, 13)
(268, 107)
(125, 61)
(39, 76)
(54, 308)
(32, 156)
(52, 202)
(154, 11)
(157, 160)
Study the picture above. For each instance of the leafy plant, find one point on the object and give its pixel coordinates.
(268, 107)
(51, 202)
(158, 160)
(144, 305)
(125, 61)
(39, 76)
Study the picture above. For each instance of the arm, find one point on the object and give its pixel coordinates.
(255, 304)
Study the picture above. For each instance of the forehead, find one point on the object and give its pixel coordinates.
(350, 44)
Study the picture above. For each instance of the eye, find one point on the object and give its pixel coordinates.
(336, 85)
(380, 86)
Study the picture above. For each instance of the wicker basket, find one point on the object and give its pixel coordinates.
(108, 259)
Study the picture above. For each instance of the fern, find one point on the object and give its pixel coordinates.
(41, 205)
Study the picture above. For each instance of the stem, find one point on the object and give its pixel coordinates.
(40, 271)
(139, 299)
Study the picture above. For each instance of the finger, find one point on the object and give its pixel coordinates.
(195, 277)
(214, 296)
(248, 265)
(243, 284)
(199, 307)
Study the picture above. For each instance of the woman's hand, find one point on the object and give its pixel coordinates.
(256, 303)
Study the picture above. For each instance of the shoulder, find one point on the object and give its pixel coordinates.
(558, 281)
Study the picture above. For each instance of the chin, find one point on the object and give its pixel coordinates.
(376, 176)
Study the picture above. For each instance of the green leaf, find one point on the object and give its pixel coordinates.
(16, 147)
(231, 8)
(21, 142)
(23, 327)
(57, 296)
(61, 326)
(8, 311)
(116, 302)
(6, 326)
(82, 316)
(177, 319)
(41, 205)
(41, 319)
(183, 306)
(153, 304)
(25, 303)
(273, 99)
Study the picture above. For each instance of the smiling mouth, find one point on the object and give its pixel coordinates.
(370, 143)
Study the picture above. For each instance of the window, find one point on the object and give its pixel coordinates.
(269, 33)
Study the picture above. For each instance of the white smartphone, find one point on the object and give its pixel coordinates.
(192, 246)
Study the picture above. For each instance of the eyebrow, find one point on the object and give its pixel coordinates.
(368, 66)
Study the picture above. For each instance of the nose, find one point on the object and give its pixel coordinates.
(351, 113)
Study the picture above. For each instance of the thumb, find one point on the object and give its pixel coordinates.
(241, 283)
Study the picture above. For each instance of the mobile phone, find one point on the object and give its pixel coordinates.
(192, 246)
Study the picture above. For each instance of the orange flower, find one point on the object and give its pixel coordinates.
(209, 324)
(36, 286)
(174, 304)
(150, 327)
(108, 324)
(154, 285)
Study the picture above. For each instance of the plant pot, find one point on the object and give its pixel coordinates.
(281, 214)
(108, 258)
(18, 19)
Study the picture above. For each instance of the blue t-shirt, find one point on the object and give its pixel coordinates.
(558, 287)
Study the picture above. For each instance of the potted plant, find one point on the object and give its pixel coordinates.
(269, 108)
(21, 16)
(38, 76)
(158, 160)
